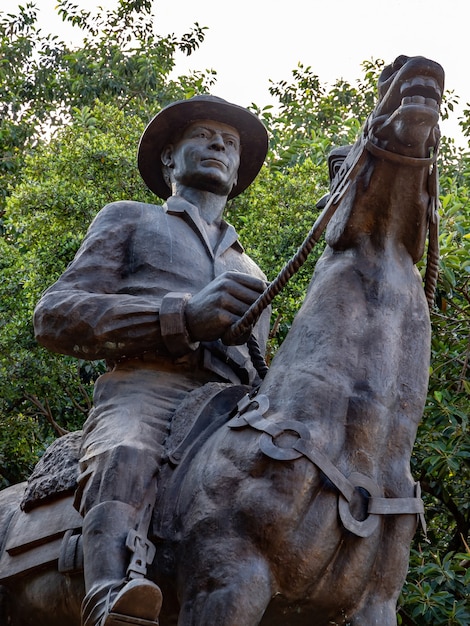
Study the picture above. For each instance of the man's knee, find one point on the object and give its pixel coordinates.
(124, 473)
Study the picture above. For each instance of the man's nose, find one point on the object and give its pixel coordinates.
(217, 142)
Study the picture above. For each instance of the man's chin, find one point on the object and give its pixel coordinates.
(216, 187)
(212, 182)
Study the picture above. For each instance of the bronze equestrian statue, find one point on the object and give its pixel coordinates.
(291, 503)
(153, 290)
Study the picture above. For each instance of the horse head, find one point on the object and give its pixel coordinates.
(405, 120)
(386, 182)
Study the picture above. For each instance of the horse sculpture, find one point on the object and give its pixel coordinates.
(297, 506)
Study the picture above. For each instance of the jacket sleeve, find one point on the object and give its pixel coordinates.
(84, 314)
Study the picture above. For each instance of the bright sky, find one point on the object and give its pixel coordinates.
(250, 42)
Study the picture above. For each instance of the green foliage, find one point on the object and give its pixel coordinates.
(17, 450)
(437, 592)
(86, 165)
(311, 119)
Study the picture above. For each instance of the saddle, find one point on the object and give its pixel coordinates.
(46, 529)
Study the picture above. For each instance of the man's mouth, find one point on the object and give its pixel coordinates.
(216, 162)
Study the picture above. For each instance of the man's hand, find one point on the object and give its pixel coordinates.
(212, 311)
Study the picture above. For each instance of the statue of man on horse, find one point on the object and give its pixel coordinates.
(153, 290)
(259, 500)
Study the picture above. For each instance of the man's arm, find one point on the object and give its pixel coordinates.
(84, 314)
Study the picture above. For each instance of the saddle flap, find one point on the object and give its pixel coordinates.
(41, 525)
(35, 539)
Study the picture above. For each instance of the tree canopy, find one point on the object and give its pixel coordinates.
(70, 122)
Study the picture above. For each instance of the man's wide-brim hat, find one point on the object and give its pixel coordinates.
(169, 123)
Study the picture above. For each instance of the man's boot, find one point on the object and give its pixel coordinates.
(111, 598)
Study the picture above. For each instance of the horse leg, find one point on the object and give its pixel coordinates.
(232, 591)
(376, 612)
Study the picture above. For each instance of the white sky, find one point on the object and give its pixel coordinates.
(250, 42)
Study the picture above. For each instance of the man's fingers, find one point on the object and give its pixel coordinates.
(244, 287)
(239, 302)
(220, 304)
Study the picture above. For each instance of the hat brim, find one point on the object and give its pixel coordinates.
(172, 120)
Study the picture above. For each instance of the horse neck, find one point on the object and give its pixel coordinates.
(386, 207)
(358, 350)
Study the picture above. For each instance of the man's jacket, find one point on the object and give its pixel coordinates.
(107, 303)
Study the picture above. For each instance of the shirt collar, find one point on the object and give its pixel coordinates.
(176, 205)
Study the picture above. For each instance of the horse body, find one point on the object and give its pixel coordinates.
(257, 527)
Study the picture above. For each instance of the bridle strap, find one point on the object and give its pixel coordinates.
(401, 159)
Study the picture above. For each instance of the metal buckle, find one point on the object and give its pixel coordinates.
(143, 554)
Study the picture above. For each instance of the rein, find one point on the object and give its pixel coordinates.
(251, 316)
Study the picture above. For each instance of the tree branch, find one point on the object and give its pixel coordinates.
(463, 525)
(45, 410)
(406, 619)
(76, 404)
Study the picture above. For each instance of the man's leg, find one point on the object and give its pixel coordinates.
(112, 594)
(121, 455)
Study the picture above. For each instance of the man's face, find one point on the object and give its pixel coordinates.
(207, 157)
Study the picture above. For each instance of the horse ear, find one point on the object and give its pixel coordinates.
(336, 159)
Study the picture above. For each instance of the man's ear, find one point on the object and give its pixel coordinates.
(167, 156)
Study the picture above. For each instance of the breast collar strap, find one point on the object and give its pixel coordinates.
(250, 414)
